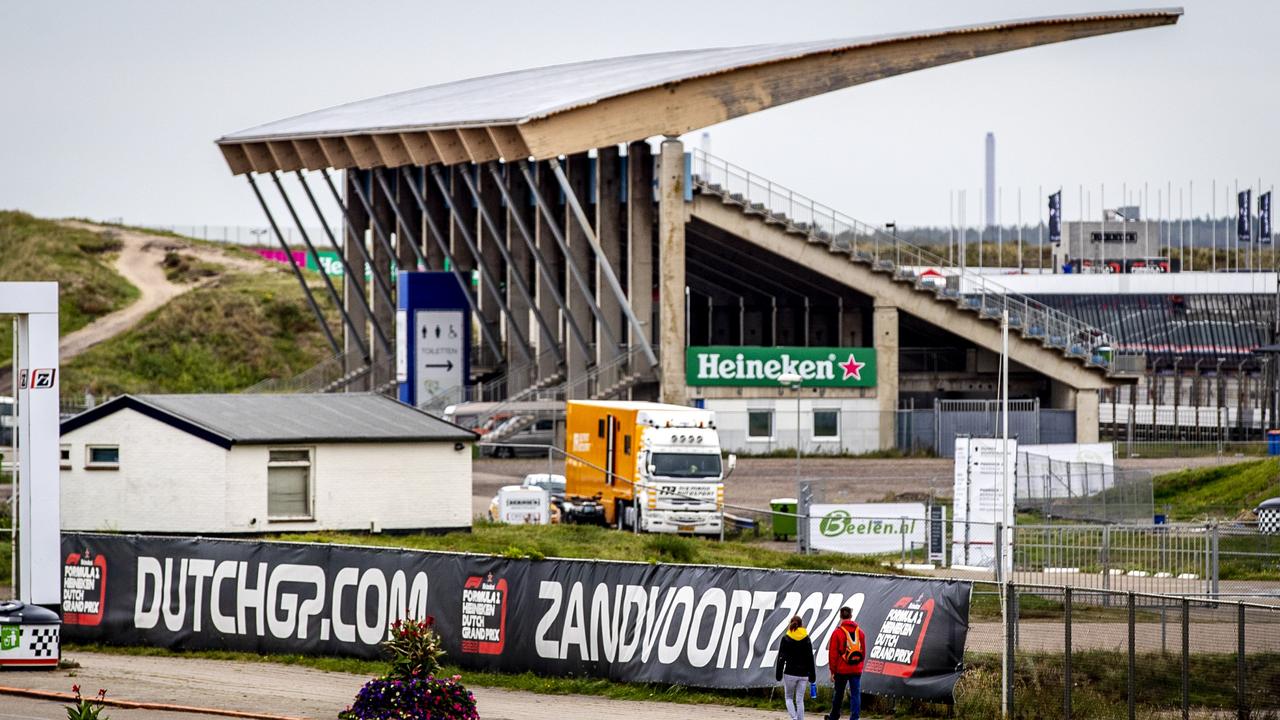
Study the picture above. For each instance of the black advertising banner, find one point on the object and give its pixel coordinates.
(1264, 217)
(1055, 218)
(1244, 215)
(700, 626)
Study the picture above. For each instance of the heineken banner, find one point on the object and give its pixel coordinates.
(760, 366)
(693, 625)
(1264, 217)
(1055, 218)
(1244, 215)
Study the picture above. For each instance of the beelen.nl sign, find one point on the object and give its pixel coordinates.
(761, 366)
(867, 528)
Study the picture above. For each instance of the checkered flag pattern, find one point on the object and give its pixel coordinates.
(44, 641)
(1269, 521)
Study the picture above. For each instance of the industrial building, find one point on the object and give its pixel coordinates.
(233, 464)
(597, 265)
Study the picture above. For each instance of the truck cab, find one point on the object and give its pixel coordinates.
(651, 467)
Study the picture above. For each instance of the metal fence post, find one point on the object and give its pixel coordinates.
(1133, 659)
(999, 555)
(1213, 560)
(1066, 653)
(1106, 557)
(1011, 626)
(1186, 658)
(1242, 703)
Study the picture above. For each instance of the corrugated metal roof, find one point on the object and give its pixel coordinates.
(523, 95)
(252, 419)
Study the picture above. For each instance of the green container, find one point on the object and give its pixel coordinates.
(784, 526)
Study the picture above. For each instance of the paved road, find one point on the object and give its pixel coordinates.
(756, 480)
(297, 692)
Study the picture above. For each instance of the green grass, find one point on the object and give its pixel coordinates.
(181, 268)
(1223, 490)
(32, 249)
(221, 337)
(585, 541)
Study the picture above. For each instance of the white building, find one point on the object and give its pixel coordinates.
(220, 464)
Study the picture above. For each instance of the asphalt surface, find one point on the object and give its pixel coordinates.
(757, 480)
(295, 692)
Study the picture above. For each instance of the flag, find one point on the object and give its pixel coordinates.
(1264, 218)
(1244, 215)
(1055, 218)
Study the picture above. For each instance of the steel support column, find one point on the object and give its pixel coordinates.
(558, 234)
(485, 330)
(544, 273)
(358, 235)
(324, 325)
(521, 287)
(486, 278)
(346, 266)
(605, 270)
(401, 222)
(640, 282)
(671, 276)
(333, 292)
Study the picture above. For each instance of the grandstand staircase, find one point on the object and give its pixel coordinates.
(895, 259)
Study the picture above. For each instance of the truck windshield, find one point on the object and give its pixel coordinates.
(690, 465)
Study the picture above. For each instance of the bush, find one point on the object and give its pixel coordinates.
(415, 649)
(415, 699)
(86, 709)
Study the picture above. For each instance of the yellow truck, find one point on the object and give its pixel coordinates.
(645, 466)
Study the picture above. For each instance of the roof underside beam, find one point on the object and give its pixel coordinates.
(674, 107)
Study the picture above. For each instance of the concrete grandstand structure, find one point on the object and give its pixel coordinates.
(601, 264)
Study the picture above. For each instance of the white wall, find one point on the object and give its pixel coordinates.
(170, 481)
(859, 424)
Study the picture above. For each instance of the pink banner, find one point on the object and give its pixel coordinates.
(299, 257)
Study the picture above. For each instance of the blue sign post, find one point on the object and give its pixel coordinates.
(433, 336)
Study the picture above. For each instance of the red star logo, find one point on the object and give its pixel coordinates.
(852, 368)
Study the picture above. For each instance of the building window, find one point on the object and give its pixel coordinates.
(102, 457)
(64, 457)
(289, 485)
(826, 424)
(760, 424)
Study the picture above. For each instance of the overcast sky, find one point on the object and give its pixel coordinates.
(111, 108)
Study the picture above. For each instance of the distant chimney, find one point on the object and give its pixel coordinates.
(990, 217)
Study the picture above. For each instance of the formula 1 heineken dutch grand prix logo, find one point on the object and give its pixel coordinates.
(761, 366)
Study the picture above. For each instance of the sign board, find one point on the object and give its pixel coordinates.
(749, 366)
(980, 500)
(938, 534)
(433, 336)
(867, 528)
(519, 505)
(439, 342)
(701, 625)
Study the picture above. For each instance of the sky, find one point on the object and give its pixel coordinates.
(111, 109)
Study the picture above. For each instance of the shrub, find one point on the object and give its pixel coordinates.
(413, 699)
(414, 648)
(85, 709)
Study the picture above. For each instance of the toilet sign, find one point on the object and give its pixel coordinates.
(439, 337)
(433, 337)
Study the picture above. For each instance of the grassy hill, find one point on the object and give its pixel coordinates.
(244, 320)
(1221, 491)
(81, 262)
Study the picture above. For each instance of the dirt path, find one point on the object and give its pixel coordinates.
(302, 692)
(140, 262)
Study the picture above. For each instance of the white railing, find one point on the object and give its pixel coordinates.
(802, 214)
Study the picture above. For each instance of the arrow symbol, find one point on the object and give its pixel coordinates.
(446, 365)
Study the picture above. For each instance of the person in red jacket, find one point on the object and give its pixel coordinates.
(846, 651)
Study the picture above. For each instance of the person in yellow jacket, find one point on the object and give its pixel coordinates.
(795, 666)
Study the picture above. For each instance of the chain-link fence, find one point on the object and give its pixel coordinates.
(1098, 492)
(1106, 654)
